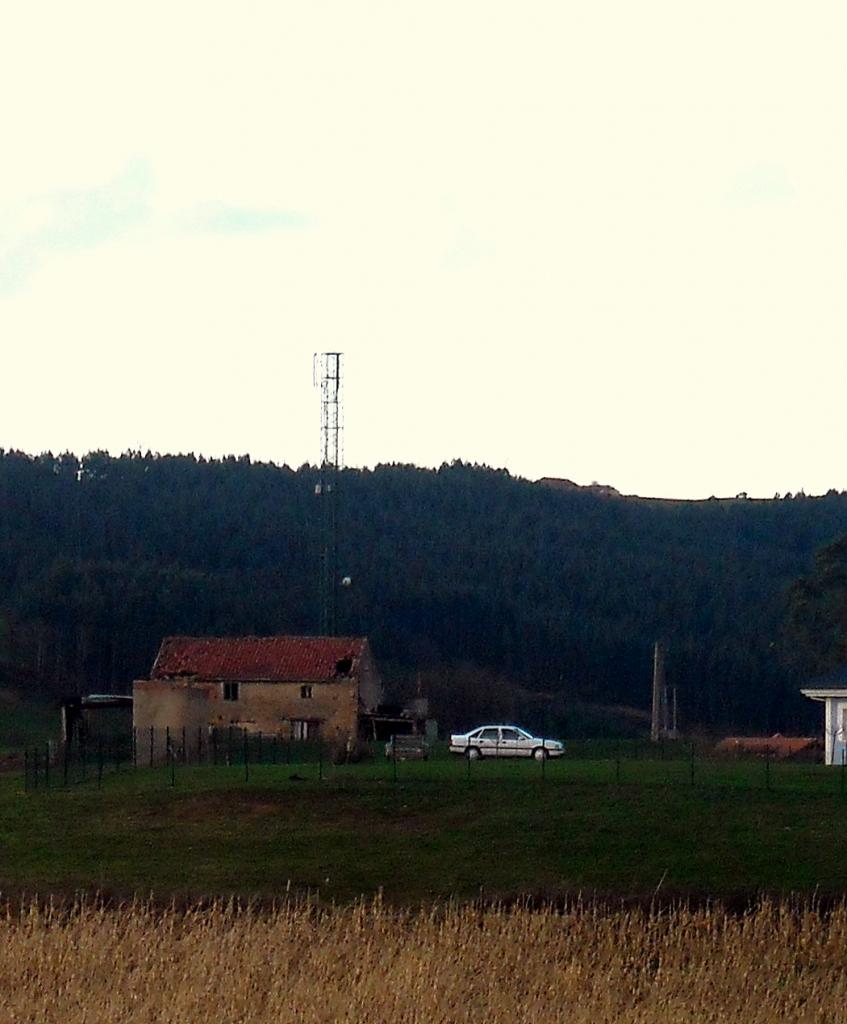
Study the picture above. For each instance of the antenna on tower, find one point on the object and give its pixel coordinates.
(326, 374)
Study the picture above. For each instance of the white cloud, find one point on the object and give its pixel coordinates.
(761, 184)
(37, 228)
(224, 219)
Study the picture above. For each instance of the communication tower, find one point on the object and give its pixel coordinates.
(326, 372)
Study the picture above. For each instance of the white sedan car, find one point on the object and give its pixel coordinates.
(504, 741)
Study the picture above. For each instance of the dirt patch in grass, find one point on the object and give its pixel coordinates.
(338, 810)
(258, 804)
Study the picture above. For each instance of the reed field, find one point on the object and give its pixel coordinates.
(225, 962)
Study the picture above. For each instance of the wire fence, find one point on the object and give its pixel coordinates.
(166, 754)
(88, 759)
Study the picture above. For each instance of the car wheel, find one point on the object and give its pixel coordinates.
(540, 754)
(474, 753)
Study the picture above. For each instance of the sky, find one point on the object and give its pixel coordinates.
(592, 239)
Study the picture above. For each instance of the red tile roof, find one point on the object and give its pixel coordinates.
(267, 658)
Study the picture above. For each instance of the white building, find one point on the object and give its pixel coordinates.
(834, 698)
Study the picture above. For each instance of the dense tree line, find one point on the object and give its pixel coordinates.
(457, 573)
(815, 635)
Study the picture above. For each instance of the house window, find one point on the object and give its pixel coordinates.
(230, 691)
(302, 729)
(306, 692)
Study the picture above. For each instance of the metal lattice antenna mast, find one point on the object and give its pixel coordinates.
(327, 374)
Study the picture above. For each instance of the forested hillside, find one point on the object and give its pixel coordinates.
(459, 573)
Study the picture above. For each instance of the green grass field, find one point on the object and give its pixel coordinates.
(498, 830)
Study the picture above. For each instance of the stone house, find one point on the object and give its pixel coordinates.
(296, 687)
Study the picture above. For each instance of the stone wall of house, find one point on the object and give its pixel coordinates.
(274, 707)
(173, 704)
(161, 709)
(330, 708)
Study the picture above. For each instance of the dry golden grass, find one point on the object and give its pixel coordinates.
(222, 963)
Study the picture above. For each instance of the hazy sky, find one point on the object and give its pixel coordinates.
(602, 240)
